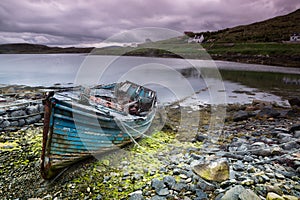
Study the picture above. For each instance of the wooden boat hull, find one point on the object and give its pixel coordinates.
(73, 132)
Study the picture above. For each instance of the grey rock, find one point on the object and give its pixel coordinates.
(239, 166)
(169, 181)
(157, 184)
(32, 109)
(176, 171)
(17, 113)
(162, 192)
(248, 158)
(14, 123)
(1, 120)
(41, 107)
(260, 149)
(201, 195)
(294, 101)
(248, 195)
(2, 112)
(21, 122)
(5, 124)
(200, 137)
(233, 193)
(13, 108)
(206, 186)
(297, 134)
(137, 195)
(156, 197)
(240, 116)
(179, 187)
(268, 112)
(291, 145)
(240, 193)
(33, 119)
(228, 183)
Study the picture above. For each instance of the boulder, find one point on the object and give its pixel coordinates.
(268, 112)
(213, 171)
(240, 193)
(294, 101)
(32, 109)
(240, 116)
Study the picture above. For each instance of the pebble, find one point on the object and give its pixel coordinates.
(251, 153)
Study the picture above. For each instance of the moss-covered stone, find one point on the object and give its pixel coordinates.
(214, 171)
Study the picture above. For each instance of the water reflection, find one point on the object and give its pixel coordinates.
(290, 81)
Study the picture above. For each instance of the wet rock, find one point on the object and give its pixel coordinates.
(268, 112)
(295, 130)
(240, 116)
(274, 196)
(214, 171)
(294, 101)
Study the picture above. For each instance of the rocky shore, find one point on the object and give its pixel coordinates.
(254, 156)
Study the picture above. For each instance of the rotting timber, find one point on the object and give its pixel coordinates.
(82, 123)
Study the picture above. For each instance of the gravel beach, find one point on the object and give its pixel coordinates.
(254, 156)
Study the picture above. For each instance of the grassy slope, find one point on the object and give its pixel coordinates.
(273, 30)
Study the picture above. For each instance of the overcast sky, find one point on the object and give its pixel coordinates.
(88, 22)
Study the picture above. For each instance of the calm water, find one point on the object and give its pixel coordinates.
(173, 78)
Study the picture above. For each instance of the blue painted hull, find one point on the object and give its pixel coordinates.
(73, 132)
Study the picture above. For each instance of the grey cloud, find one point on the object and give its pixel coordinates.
(90, 21)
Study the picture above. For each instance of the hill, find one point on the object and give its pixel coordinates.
(276, 29)
(37, 48)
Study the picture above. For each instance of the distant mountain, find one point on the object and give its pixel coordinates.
(276, 29)
(37, 48)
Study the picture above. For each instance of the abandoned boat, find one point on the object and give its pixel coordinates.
(86, 122)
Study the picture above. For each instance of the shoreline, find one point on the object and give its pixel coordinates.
(163, 166)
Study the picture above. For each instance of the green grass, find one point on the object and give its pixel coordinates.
(277, 49)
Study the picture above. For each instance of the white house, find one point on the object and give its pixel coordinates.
(295, 37)
(196, 39)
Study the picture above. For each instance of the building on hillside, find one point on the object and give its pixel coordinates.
(196, 39)
(295, 37)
